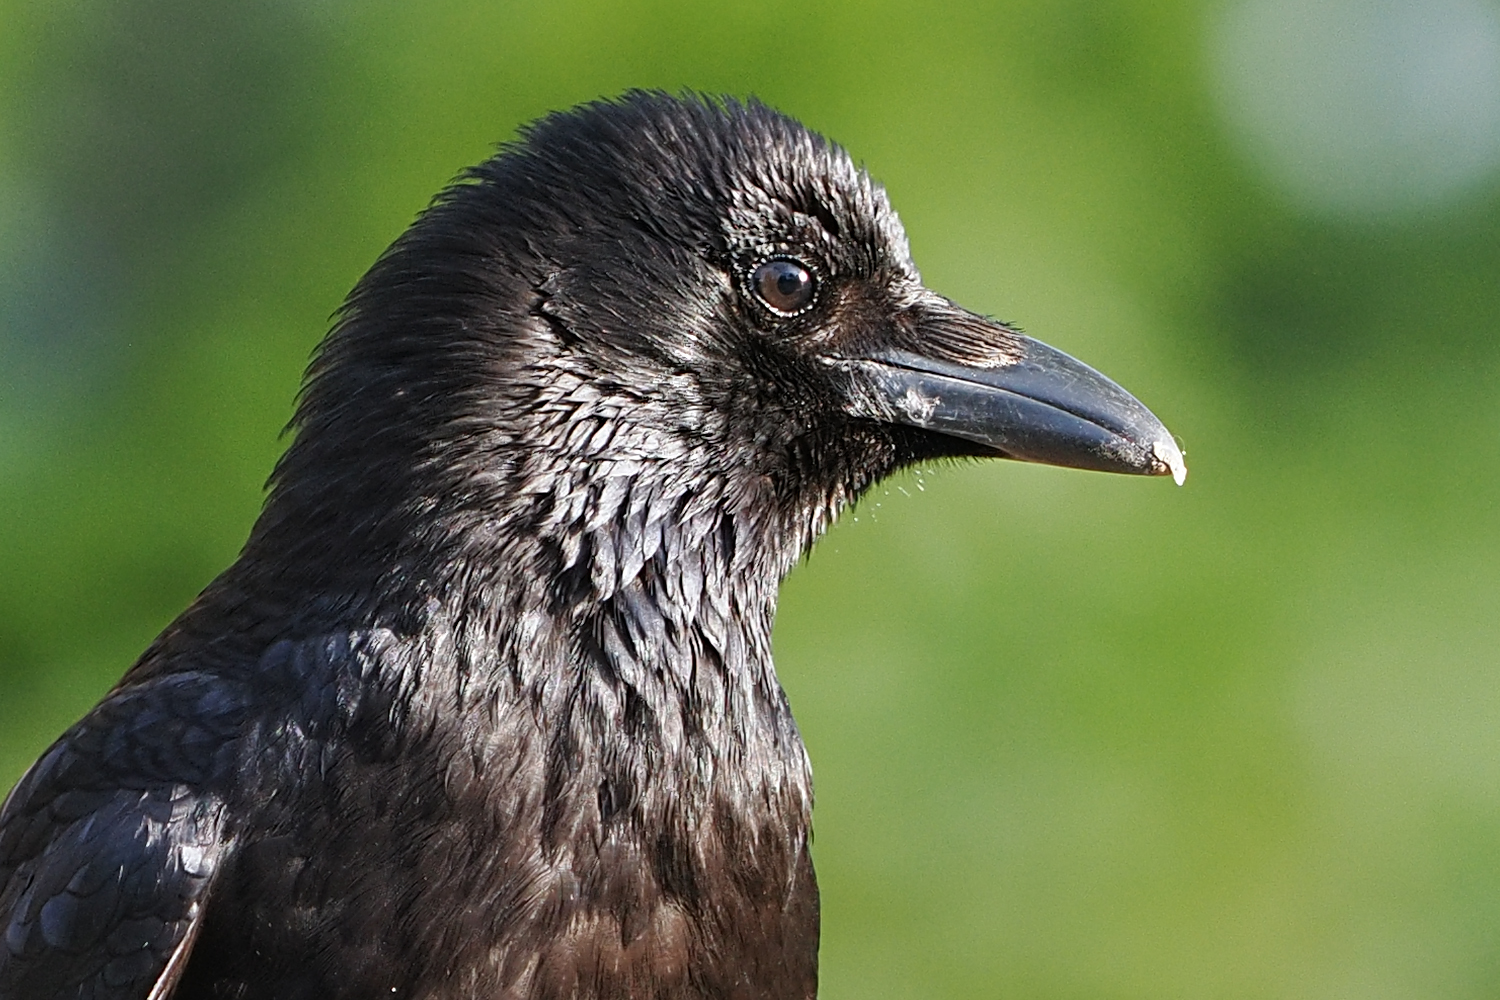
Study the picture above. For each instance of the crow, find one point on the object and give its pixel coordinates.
(486, 707)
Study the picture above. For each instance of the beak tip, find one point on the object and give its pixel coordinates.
(1169, 456)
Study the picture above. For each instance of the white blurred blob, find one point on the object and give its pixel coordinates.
(1364, 107)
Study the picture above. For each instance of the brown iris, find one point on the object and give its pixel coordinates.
(784, 285)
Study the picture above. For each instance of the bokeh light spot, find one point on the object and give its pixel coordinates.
(1363, 107)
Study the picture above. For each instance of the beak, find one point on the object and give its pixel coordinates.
(960, 374)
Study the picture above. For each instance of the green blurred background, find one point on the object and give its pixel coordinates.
(1075, 735)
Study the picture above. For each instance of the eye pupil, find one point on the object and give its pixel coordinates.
(784, 285)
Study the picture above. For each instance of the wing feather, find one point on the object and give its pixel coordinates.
(110, 843)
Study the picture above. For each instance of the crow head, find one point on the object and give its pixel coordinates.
(664, 309)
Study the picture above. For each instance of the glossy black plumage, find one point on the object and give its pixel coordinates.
(486, 706)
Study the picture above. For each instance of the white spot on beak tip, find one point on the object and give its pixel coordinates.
(1170, 455)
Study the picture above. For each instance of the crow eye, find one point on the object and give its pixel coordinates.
(784, 285)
